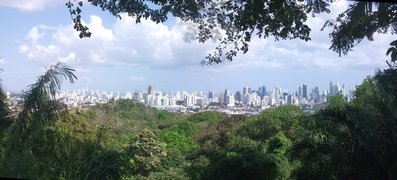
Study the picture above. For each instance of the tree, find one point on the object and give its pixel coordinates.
(361, 20)
(353, 140)
(393, 55)
(147, 153)
(39, 106)
(4, 111)
(268, 123)
(242, 20)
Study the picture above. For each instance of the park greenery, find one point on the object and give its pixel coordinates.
(123, 139)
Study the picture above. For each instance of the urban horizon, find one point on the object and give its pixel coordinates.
(247, 100)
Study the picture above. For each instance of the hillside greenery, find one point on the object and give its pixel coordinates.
(123, 139)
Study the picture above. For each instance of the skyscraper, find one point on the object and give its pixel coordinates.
(210, 95)
(334, 89)
(222, 97)
(304, 91)
(225, 96)
(262, 91)
(316, 94)
(300, 91)
(150, 90)
(238, 96)
(245, 90)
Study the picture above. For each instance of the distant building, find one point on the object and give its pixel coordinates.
(230, 100)
(238, 96)
(150, 90)
(316, 95)
(222, 97)
(226, 94)
(210, 95)
(300, 91)
(304, 91)
(245, 90)
(262, 91)
(334, 89)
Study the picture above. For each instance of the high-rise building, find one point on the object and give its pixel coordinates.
(225, 96)
(210, 95)
(245, 90)
(304, 91)
(263, 91)
(289, 99)
(334, 89)
(230, 100)
(277, 93)
(150, 90)
(238, 96)
(300, 91)
(222, 97)
(316, 94)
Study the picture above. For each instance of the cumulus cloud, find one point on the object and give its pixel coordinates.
(125, 43)
(159, 46)
(30, 5)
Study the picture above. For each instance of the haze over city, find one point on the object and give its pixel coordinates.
(124, 56)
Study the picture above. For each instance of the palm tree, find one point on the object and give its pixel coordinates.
(39, 107)
(4, 111)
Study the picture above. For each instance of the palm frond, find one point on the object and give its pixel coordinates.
(40, 107)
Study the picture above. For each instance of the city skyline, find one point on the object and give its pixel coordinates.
(258, 88)
(124, 56)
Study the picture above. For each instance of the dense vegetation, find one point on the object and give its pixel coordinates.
(127, 140)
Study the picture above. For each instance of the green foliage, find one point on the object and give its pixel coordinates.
(270, 122)
(117, 140)
(48, 142)
(184, 128)
(361, 20)
(212, 139)
(177, 142)
(278, 144)
(336, 102)
(248, 160)
(126, 116)
(198, 168)
(210, 116)
(146, 153)
(5, 122)
(39, 108)
(341, 142)
(393, 55)
(4, 111)
(69, 149)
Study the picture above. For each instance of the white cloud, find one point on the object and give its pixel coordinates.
(30, 5)
(159, 46)
(34, 35)
(126, 43)
(69, 59)
(136, 78)
(2, 61)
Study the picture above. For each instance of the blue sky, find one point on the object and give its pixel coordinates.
(124, 56)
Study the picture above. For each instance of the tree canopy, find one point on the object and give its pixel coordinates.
(242, 20)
